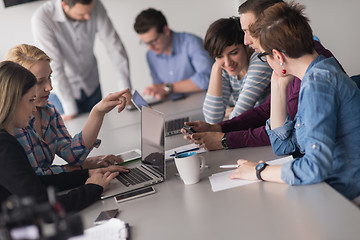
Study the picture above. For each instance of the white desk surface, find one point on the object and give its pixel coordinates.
(191, 105)
(257, 211)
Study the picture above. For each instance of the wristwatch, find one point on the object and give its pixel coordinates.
(224, 143)
(168, 88)
(259, 168)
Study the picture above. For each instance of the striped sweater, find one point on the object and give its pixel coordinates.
(243, 94)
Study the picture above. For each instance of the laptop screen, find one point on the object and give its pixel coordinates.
(152, 139)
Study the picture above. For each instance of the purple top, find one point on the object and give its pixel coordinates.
(248, 129)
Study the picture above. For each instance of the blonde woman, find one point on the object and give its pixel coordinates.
(46, 134)
(17, 105)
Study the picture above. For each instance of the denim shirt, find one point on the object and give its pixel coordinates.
(326, 129)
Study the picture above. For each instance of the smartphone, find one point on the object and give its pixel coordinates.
(134, 194)
(189, 130)
(106, 215)
(130, 155)
(138, 100)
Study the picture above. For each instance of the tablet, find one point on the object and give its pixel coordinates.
(138, 100)
(130, 155)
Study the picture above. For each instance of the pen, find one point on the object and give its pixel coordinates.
(185, 151)
(229, 166)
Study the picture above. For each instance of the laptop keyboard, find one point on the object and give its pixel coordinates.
(133, 177)
(174, 126)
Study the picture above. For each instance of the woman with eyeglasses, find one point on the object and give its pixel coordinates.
(239, 80)
(326, 128)
(17, 177)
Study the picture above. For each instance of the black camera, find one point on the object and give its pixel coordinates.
(23, 218)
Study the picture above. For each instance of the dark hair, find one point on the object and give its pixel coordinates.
(148, 19)
(223, 33)
(256, 6)
(72, 3)
(15, 82)
(284, 27)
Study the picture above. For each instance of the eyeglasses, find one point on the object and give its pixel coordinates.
(262, 56)
(152, 42)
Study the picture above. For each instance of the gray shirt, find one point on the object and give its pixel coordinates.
(70, 45)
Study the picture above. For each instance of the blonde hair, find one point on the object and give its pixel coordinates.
(26, 55)
(15, 82)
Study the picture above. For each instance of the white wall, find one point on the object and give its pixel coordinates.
(335, 22)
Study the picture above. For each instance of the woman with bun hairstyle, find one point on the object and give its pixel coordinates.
(46, 135)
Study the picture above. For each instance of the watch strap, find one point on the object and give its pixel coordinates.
(168, 88)
(258, 171)
(224, 143)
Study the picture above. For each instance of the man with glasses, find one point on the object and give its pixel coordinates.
(248, 129)
(178, 62)
(66, 31)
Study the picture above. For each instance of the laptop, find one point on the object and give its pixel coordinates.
(152, 168)
(172, 127)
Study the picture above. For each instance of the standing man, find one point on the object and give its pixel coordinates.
(66, 30)
(178, 62)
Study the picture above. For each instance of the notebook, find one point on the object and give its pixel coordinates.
(152, 168)
(172, 127)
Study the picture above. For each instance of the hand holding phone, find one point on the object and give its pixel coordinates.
(189, 130)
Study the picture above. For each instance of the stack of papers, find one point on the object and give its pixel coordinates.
(114, 229)
(221, 181)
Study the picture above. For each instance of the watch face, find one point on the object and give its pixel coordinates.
(260, 166)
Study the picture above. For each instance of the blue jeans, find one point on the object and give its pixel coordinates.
(84, 104)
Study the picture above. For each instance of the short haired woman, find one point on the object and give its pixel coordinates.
(238, 78)
(326, 128)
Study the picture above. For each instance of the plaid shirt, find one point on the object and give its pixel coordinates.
(41, 151)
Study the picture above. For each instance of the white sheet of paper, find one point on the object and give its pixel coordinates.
(114, 229)
(221, 181)
(280, 160)
(183, 148)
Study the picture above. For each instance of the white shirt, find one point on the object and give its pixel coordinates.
(70, 45)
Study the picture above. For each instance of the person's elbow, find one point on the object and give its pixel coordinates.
(282, 148)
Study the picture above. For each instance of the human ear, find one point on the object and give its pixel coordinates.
(278, 55)
(166, 30)
(65, 6)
